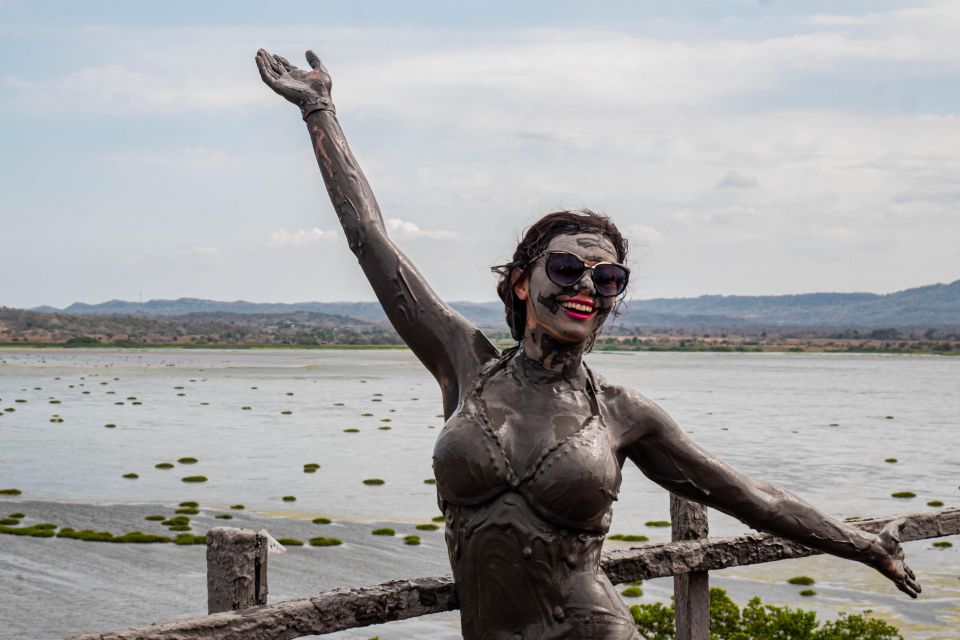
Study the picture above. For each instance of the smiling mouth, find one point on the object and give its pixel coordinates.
(578, 309)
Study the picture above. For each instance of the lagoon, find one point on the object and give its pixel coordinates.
(821, 425)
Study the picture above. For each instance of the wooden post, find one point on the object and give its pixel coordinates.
(691, 591)
(236, 569)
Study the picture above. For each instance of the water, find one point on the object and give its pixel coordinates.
(769, 415)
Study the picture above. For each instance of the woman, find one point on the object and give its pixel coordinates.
(528, 463)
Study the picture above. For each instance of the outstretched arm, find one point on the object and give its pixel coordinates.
(447, 344)
(668, 457)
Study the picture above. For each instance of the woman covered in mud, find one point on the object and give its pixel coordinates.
(528, 463)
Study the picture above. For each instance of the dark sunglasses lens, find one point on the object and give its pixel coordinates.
(610, 279)
(564, 269)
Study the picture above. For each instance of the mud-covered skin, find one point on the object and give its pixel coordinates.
(535, 400)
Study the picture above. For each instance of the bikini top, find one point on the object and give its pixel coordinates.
(572, 483)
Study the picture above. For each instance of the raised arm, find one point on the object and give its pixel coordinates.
(671, 459)
(445, 342)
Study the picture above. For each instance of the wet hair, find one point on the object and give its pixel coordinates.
(534, 242)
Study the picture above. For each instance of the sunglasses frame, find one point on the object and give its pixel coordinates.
(586, 268)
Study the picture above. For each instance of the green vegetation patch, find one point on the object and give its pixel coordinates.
(33, 532)
(176, 520)
(373, 481)
(190, 504)
(237, 507)
(890, 460)
(164, 465)
(324, 542)
(942, 544)
(384, 531)
(9, 521)
(322, 520)
(384, 428)
(10, 492)
(187, 460)
(189, 538)
(429, 526)
(657, 523)
(109, 425)
(629, 537)
(223, 516)
(194, 479)
(155, 518)
(438, 518)
(311, 467)
(430, 481)
(632, 592)
(411, 540)
(935, 503)
(290, 542)
(191, 511)
(807, 593)
(903, 494)
(179, 527)
(17, 515)
(802, 580)
(131, 476)
(289, 498)
(351, 430)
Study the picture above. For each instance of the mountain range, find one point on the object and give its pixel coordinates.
(931, 306)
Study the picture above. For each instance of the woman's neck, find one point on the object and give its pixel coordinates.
(552, 355)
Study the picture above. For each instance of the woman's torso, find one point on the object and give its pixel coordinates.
(526, 476)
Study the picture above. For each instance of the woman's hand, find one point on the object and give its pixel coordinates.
(891, 563)
(309, 90)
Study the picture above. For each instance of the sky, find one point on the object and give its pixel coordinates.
(744, 147)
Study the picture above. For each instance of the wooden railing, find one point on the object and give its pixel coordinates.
(237, 581)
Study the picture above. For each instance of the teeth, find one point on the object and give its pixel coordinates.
(576, 306)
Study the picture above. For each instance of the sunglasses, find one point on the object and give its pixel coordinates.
(565, 269)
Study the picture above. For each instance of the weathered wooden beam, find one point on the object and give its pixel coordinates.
(673, 558)
(348, 608)
(691, 591)
(236, 569)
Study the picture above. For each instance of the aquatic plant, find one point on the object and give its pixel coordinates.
(155, 518)
(942, 544)
(164, 465)
(189, 503)
(191, 511)
(289, 498)
(110, 425)
(801, 580)
(237, 507)
(33, 532)
(351, 430)
(246, 408)
(411, 540)
(10, 492)
(366, 415)
(430, 481)
(310, 467)
(384, 428)
(903, 494)
(131, 476)
(9, 521)
(427, 527)
(890, 460)
(324, 542)
(187, 460)
(632, 592)
(187, 538)
(286, 413)
(373, 481)
(384, 419)
(657, 523)
(176, 520)
(384, 531)
(194, 479)
(17, 515)
(223, 516)
(290, 542)
(628, 537)
(322, 520)
(806, 593)
(935, 503)
(438, 518)
(179, 527)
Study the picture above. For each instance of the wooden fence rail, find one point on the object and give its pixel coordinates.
(400, 599)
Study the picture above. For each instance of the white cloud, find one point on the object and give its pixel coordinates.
(200, 250)
(284, 238)
(405, 229)
(733, 179)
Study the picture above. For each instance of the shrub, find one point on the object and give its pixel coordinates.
(324, 542)
(758, 621)
(384, 531)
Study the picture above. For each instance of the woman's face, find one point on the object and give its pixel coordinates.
(576, 312)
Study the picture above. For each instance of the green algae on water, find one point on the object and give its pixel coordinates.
(942, 544)
(351, 430)
(430, 481)
(324, 542)
(110, 425)
(9, 521)
(438, 518)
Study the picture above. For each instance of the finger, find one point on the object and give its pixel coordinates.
(266, 73)
(284, 62)
(276, 66)
(314, 61)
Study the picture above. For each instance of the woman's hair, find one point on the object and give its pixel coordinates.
(534, 243)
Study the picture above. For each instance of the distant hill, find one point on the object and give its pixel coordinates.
(932, 306)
